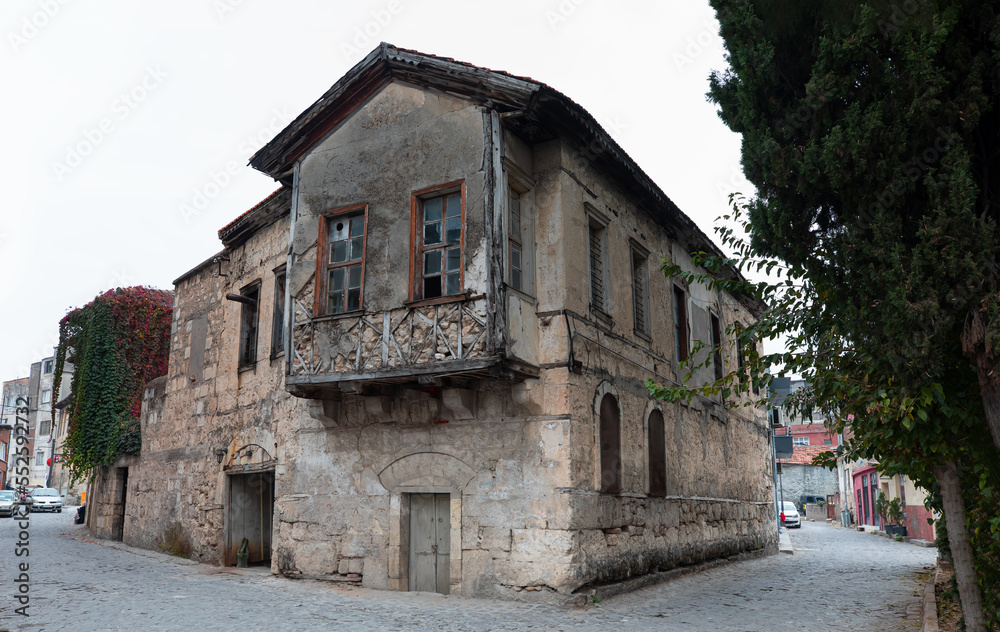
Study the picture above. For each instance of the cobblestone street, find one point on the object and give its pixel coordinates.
(838, 579)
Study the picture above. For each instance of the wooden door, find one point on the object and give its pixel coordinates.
(118, 510)
(430, 542)
(251, 507)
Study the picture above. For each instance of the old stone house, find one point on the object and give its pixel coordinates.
(421, 364)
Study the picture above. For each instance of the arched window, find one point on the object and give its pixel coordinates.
(657, 455)
(611, 450)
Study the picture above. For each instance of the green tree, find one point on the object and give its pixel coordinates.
(871, 133)
(924, 434)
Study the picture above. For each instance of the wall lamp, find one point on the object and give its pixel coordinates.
(219, 454)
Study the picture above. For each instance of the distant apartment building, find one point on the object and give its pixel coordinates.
(12, 390)
(43, 425)
(59, 475)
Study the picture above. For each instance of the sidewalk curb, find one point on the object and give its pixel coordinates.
(785, 542)
(605, 591)
(929, 621)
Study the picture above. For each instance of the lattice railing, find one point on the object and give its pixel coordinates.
(391, 339)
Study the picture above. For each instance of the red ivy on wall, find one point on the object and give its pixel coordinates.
(117, 343)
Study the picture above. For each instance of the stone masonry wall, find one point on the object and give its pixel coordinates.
(176, 498)
(719, 489)
(503, 468)
(806, 479)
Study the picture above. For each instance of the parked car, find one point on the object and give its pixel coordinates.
(7, 500)
(792, 520)
(46, 499)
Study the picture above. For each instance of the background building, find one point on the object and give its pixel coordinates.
(40, 418)
(12, 390)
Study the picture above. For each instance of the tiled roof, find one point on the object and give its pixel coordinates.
(252, 209)
(817, 433)
(803, 454)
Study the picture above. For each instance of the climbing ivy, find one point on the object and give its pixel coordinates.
(116, 343)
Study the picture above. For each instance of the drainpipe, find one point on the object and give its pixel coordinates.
(774, 477)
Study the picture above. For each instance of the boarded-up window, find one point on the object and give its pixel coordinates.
(716, 346)
(278, 320)
(249, 320)
(640, 290)
(196, 358)
(611, 453)
(741, 356)
(597, 241)
(680, 324)
(657, 455)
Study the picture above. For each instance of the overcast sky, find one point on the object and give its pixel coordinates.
(128, 125)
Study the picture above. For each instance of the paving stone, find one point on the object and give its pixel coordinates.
(838, 579)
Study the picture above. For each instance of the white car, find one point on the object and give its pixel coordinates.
(46, 499)
(7, 500)
(792, 520)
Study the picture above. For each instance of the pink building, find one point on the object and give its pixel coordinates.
(869, 485)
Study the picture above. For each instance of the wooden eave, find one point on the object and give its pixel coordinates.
(265, 213)
(198, 268)
(383, 65)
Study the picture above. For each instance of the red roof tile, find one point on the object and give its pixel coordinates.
(253, 208)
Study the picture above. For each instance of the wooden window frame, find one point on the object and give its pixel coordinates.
(323, 265)
(657, 447)
(242, 360)
(640, 290)
(518, 181)
(278, 312)
(512, 239)
(417, 249)
(681, 331)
